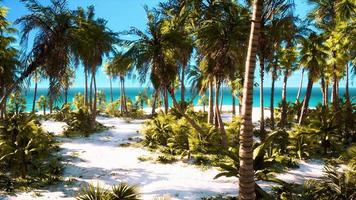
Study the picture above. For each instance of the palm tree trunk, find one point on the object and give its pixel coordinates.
(300, 87)
(216, 123)
(221, 96)
(124, 93)
(122, 103)
(323, 91)
(95, 97)
(347, 93)
(335, 97)
(66, 95)
(272, 97)
(182, 97)
(284, 101)
(154, 102)
(306, 101)
(233, 104)
(111, 97)
(246, 171)
(34, 98)
(166, 106)
(91, 94)
(220, 123)
(262, 109)
(211, 103)
(86, 87)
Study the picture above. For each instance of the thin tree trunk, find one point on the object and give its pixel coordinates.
(211, 103)
(262, 109)
(124, 93)
(95, 97)
(34, 98)
(216, 104)
(122, 103)
(91, 94)
(284, 101)
(272, 97)
(335, 97)
(111, 97)
(306, 101)
(86, 87)
(221, 96)
(182, 97)
(220, 123)
(233, 104)
(165, 97)
(246, 171)
(323, 91)
(154, 102)
(347, 93)
(66, 95)
(190, 120)
(300, 88)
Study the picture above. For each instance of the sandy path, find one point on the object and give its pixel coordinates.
(100, 159)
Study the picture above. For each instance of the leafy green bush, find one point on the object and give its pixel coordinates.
(78, 101)
(80, 123)
(112, 109)
(17, 103)
(122, 191)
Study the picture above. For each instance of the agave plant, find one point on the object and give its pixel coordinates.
(124, 191)
(93, 193)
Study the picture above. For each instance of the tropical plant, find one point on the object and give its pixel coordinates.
(17, 103)
(42, 104)
(79, 101)
(122, 191)
(24, 145)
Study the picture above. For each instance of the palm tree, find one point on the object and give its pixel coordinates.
(42, 104)
(94, 41)
(68, 81)
(246, 171)
(109, 72)
(36, 78)
(53, 41)
(121, 65)
(312, 57)
(153, 53)
(272, 12)
(9, 64)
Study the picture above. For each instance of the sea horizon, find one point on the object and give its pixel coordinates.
(132, 92)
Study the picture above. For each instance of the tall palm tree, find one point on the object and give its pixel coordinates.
(312, 57)
(94, 42)
(272, 12)
(121, 65)
(246, 171)
(51, 48)
(67, 82)
(9, 64)
(152, 54)
(109, 72)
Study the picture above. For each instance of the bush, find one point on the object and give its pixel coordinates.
(80, 123)
(122, 191)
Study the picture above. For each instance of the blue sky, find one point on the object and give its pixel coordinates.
(121, 15)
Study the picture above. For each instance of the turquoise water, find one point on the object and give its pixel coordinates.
(132, 93)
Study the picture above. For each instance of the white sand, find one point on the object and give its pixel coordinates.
(99, 159)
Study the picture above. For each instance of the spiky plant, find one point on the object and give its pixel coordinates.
(92, 192)
(124, 191)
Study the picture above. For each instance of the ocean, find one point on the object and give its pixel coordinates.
(227, 100)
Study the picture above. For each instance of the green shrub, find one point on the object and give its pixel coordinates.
(112, 109)
(122, 191)
(17, 103)
(80, 123)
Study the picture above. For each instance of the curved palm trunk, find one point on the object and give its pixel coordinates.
(262, 110)
(335, 96)
(124, 94)
(111, 97)
(86, 87)
(284, 101)
(182, 97)
(211, 103)
(246, 171)
(306, 101)
(300, 88)
(272, 96)
(91, 94)
(34, 98)
(220, 123)
(323, 91)
(221, 96)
